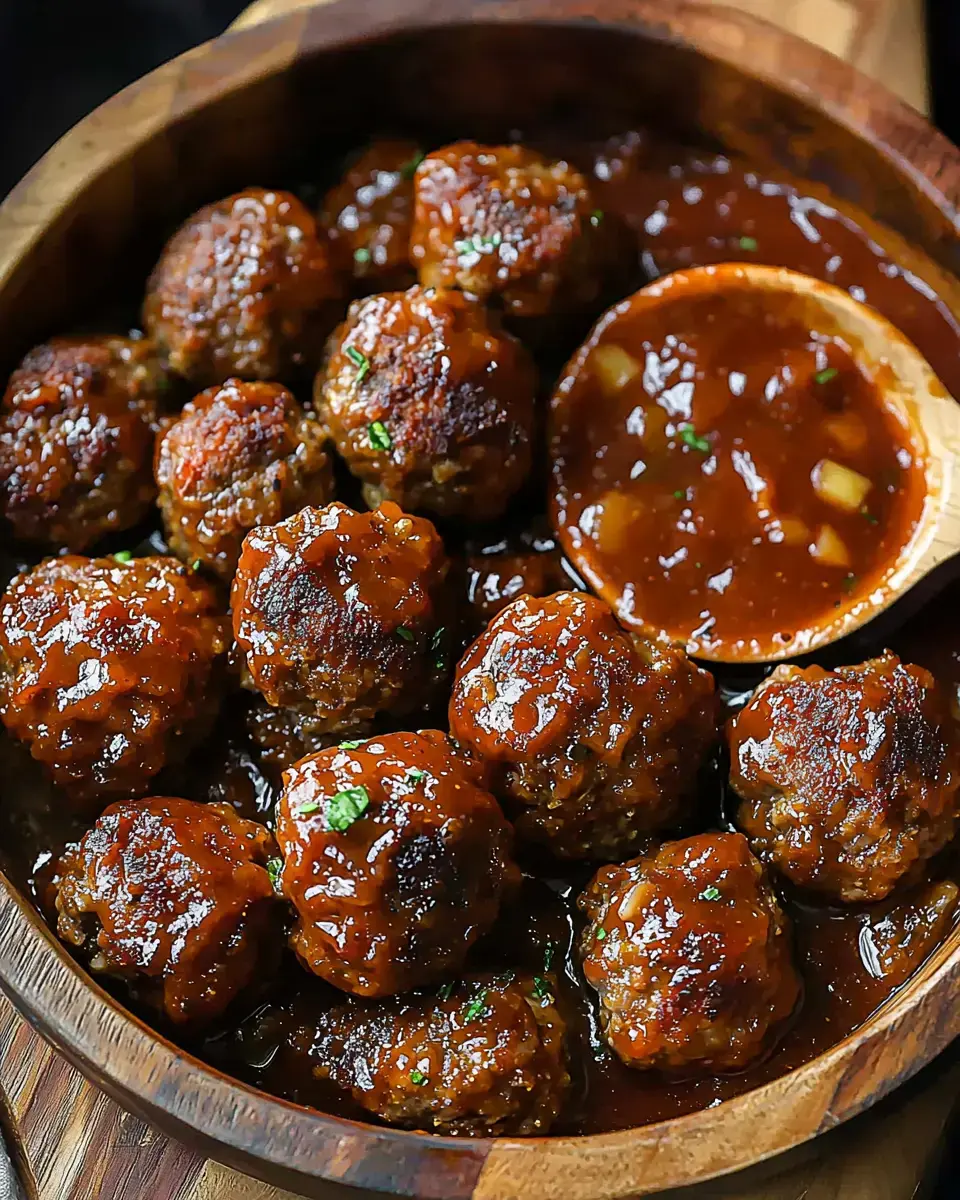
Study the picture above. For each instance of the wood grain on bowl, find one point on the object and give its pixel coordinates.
(95, 210)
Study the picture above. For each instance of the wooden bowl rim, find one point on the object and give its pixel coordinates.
(38, 975)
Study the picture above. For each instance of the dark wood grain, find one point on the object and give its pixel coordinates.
(92, 215)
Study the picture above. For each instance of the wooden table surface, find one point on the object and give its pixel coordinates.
(71, 1142)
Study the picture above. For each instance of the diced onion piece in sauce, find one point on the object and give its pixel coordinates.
(617, 517)
(795, 532)
(614, 367)
(847, 431)
(839, 486)
(830, 548)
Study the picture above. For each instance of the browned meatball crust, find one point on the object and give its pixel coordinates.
(689, 953)
(282, 736)
(76, 439)
(394, 859)
(429, 404)
(239, 456)
(174, 897)
(484, 1058)
(368, 214)
(240, 289)
(492, 581)
(501, 222)
(341, 614)
(109, 670)
(594, 736)
(848, 779)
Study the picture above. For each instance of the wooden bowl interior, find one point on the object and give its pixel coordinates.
(278, 105)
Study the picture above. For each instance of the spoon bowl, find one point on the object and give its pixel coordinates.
(904, 384)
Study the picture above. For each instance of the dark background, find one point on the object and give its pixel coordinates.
(61, 58)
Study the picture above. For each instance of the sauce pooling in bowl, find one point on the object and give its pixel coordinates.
(726, 475)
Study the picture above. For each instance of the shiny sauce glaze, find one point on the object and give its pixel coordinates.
(724, 474)
(684, 210)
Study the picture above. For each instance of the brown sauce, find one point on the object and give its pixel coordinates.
(686, 210)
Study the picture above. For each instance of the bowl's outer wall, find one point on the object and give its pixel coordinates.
(275, 105)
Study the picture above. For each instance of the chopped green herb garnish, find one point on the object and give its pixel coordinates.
(548, 952)
(378, 435)
(596, 217)
(196, 565)
(361, 255)
(601, 934)
(274, 867)
(437, 638)
(690, 437)
(826, 375)
(445, 991)
(346, 807)
(409, 168)
(361, 362)
(417, 1077)
(310, 806)
(478, 244)
(541, 989)
(679, 494)
(869, 517)
(415, 774)
(405, 633)
(348, 745)
(436, 646)
(123, 556)
(748, 243)
(710, 893)
(475, 1008)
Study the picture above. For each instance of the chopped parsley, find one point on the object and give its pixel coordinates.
(361, 255)
(541, 989)
(475, 1008)
(446, 990)
(826, 375)
(710, 893)
(409, 168)
(417, 1077)
(405, 633)
(123, 556)
(548, 952)
(361, 362)
(690, 437)
(436, 646)
(748, 243)
(869, 517)
(196, 565)
(274, 867)
(378, 436)
(415, 774)
(596, 217)
(601, 934)
(310, 806)
(346, 807)
(349, 745)
(478, 244)
(679, 494)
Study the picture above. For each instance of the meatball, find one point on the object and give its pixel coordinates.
(501, 222)
(367, 217)
(689, 953)
(240, 289)
(175, 898)
(394, 859)
(593, 736)
(429, 404)
(282, 736)
(485, 1057)
(340, 614)
(240, 455)
(76, 439)
(492, 581)
(847, 779)
(109, 670)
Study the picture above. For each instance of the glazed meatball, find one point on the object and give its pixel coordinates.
(689, 953)
(240, 455)
(492, 581)
(483, 1058)
(282, 736)
(429, 404)
(340, 614)
(394, 859)
(109, 670)
(173, 897)
(367, 217)
(241, 289)
(593, 736)
(76, 439)
(848, 779)
(501, 222)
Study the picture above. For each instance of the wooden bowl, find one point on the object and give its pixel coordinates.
(89, 219)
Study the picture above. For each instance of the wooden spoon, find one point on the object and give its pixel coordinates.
(905, 383)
